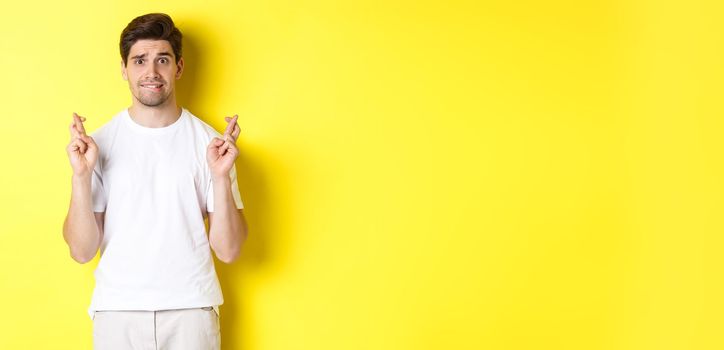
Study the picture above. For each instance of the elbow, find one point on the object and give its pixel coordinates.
(229, 256)
(228, 252)
(81, 257)
(82, 254)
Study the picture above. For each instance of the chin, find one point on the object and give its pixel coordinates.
(152, 102)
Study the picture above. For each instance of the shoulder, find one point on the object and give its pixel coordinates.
(199, 126)
(109, 127)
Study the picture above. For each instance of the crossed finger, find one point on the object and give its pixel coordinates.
(77, 130)
(232, 129)
(230, 134)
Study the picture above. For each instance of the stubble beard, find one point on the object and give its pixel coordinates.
(152, 100)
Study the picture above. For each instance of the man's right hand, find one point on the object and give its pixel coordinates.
(82, 150)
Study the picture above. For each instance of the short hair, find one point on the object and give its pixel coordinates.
(156, 26)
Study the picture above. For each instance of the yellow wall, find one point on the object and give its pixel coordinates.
(416, 175)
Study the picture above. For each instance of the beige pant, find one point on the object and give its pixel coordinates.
(183, 329)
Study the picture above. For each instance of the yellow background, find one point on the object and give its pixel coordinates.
(416, 174)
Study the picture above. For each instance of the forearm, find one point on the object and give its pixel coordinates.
(227, 230)
(80, 230)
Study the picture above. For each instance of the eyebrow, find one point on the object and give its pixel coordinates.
(144, 55)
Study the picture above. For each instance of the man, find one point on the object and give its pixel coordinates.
(142, 186)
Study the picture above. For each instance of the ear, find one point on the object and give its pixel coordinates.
(124, 73)
(180, 68)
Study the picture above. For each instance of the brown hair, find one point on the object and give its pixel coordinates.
(157, 26)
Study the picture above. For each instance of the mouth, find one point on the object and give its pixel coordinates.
(155, 87)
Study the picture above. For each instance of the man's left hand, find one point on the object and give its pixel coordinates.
(221, 153)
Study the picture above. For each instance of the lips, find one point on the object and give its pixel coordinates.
(152, 86)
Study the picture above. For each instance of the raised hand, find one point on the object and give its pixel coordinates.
(82, 149)
(222, 153)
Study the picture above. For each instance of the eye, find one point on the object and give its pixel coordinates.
(138, 61)
(163, 60)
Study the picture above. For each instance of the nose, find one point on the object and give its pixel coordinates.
(152, 72)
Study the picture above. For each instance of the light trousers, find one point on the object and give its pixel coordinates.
(182, 329)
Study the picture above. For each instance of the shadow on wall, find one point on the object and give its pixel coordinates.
(185, 86)
(257, 251)
(256, 255)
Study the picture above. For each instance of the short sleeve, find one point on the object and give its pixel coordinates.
(234, 193)
(98, 194)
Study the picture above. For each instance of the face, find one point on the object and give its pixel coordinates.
(152, 72)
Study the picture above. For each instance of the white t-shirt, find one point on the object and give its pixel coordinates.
(155, 188)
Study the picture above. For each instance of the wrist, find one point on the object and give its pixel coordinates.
(221, 179)
(81, 179)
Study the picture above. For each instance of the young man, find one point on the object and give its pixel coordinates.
(142, 186)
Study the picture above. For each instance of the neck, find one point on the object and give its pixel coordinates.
(155, 117)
